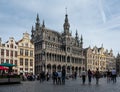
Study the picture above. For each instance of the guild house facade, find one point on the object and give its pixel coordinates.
(8, 53)
(99, 58)
(25, 55)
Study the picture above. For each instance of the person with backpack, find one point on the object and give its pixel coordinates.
(54, 76)
(97, 76)
(59, 77)
(63, 76)
(89, 76)
(83, 73)
(114, 75)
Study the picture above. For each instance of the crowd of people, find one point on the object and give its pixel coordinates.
(60, 76)
(28, 76)
(111, 76)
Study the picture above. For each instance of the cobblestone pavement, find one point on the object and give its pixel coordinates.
(70, 86)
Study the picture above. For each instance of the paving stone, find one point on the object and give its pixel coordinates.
(70, 86)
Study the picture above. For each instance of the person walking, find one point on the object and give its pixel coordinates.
(114, 75)
(97, 76)
(108, 76)
(75, 75)
(63, 76)
(47, 76)
(59, 77)
(89, 76)
(54, 76)
(40, 77)
(83, 73)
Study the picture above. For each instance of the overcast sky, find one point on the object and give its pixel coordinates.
(97, 20)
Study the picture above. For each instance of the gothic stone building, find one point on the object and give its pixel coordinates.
(54, 50)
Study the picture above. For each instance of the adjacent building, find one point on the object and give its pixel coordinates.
(118, 63)
(110, 60)
(54, 50)
(99, 58)
(25, 55)
(8, 53)
(20, 53)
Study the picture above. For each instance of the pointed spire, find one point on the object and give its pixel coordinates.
(81, 38)
(66, 16)
(81, 41)
(37, 19)
(66, 24)
(66, 19)
(118, 54)
(37, 23)
(43, 25)
(76, 35)
(32, 29)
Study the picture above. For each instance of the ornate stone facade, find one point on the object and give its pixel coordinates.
(99, 58)
(110, 60)
(8, 53)
(25, 55)
(54, 50)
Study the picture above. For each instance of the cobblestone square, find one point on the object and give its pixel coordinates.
(70, 86)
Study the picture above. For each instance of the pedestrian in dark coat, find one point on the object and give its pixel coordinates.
(89, 76)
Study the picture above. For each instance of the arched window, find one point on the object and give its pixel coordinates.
(11, 46)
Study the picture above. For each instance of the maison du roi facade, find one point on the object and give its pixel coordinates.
(20, 53)
(54, 50)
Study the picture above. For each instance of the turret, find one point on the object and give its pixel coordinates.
(81, 41)
(66, 25)
(37, 23)
(32, 31)
(76, 37)
(43, 25)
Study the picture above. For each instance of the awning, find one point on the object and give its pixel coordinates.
(3, 68)
(7, 65)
